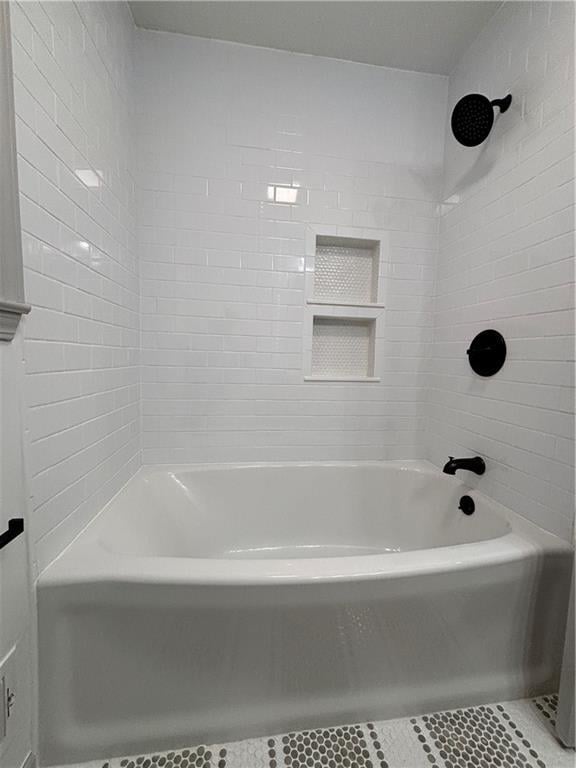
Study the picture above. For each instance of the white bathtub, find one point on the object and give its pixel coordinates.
(216, 603)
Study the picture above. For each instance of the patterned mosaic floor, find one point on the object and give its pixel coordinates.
(516, 734)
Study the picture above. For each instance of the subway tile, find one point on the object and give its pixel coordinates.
(518, 221)
(242, 303)
(213, 274)
(78, 344)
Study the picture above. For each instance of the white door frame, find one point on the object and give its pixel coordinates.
(12, 304)
(565, 716)
(16, 614)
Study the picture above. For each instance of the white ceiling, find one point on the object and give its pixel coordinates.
(420, 36)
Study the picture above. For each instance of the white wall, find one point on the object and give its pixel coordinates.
(73, 89)
(223, 308)
(222, 269)
(16, 602)
(506, 249)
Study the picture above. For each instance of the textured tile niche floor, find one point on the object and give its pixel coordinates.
(516, 734)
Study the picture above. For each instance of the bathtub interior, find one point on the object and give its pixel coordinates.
(292, 511)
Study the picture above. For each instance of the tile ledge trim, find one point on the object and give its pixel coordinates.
(338, 303)
(10, 313)
(369, 379)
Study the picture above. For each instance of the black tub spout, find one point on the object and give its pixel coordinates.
(475, 465)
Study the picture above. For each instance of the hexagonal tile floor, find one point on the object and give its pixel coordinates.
(518, 734)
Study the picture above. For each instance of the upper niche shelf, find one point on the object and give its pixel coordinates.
(346, 271)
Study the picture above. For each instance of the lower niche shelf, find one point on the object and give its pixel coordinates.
(342, 378)
(342, 349)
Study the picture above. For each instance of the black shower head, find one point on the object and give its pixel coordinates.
(473, 117)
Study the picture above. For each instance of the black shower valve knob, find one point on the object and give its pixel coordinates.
(487, 353)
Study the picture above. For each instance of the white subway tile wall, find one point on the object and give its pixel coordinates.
(190, 300)
(244, 155)
(506, 262)
(73, 91)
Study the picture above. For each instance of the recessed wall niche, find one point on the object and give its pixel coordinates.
(344, 291)
(346, 271)
(342, 347)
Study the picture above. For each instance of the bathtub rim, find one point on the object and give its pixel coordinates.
(86, 561)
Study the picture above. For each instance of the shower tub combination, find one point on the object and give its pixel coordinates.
(208, 604)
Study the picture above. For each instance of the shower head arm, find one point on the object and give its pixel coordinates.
(503, 104)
